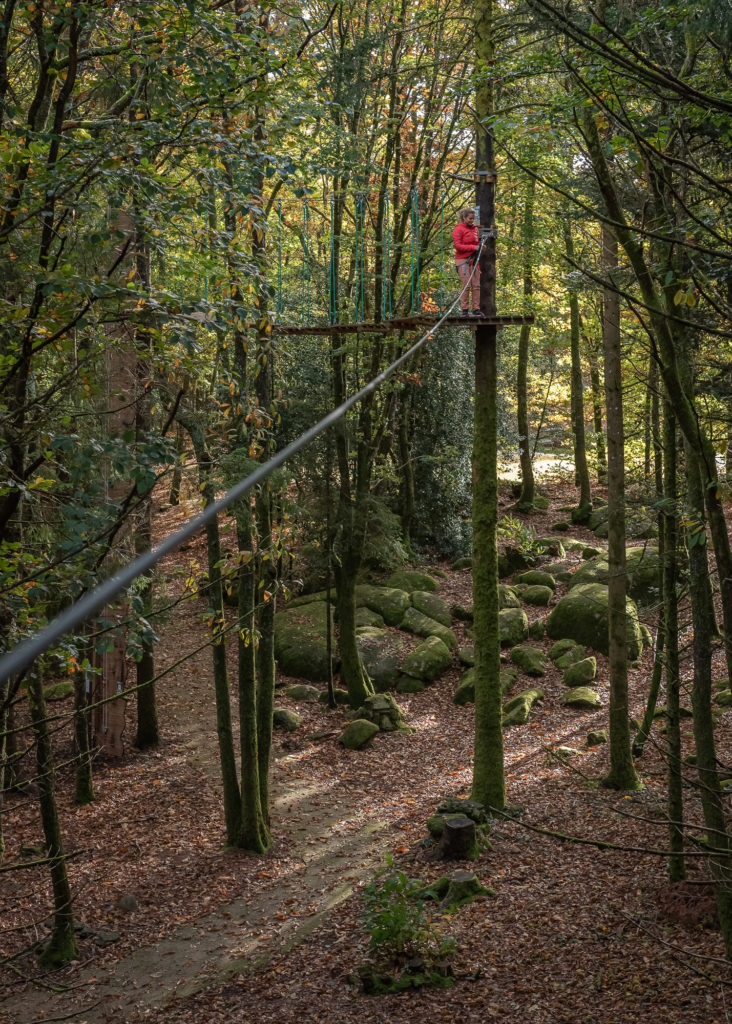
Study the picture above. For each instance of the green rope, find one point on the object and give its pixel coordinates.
(305, 291)
(279, 259)
(416, 303)
(333, 296)
(359, 258)
(386, 285)
(442, 249)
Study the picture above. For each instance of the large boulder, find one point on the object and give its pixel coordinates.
(283, 718)
(582, 697)
(536, 578)
(432, 606)
(513, 626)
(537, 596)
(582, 615)
(358, 733)
(529, 659)
(300, 641)
(465, 693)
(576, 653)
(422, 625)
(301, 691)
(390, 602)
(411, 580)
(516, 710)
(507, 597)
(642, 569)
(428, 660)
(381, 653)
(365, 617)
(580, 672)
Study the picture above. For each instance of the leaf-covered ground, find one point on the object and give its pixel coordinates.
(573, 934)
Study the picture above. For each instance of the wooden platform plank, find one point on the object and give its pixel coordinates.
(404, 323)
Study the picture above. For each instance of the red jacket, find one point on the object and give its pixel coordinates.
(465, 240)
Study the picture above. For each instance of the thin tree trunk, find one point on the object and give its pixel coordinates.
(489, 786)
(61, 947)
(582, 475)
(596, 390)
(676, 867)
(622, 773)
(84, 789)
(526, 498)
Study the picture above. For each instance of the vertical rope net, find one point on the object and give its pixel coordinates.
(416, 303)
(386, 265)
(279, 259)
(333, 283)
(305, 310)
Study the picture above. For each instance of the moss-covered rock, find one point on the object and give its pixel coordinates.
(465, 692)
(516, 710)
(571, 544)
(551, 546)
(724, 698)
(642, 568)
(582, 697)
(428, 660)
(589, 551)
(598, 516)
(383, 711)
(580, 672)
(432, 606)
(411, 580)
(538, 596)
(575, 653)
(536, 629)
(507, 597)
(283, 718)
(466, 655)
(301, 691)
(561, 527)
(513, 626)
(382, 653)
(461, 612)
(390, 602)
(300, 641)
(512, 559)
(582, 615)
(58, 691)
(529, 659)
(422, 625)
(341, 696)
(561, 647)
(466, 562)
(536, 578)
(358, 733)
(596, 737)
(408, 684)
(367, 617)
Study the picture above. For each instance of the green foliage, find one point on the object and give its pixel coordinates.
(396, 920)
(518, 534)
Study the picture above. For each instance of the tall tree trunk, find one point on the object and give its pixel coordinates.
(61, 946)
(710, 790)
(622, 773)
(582, 475)
(489, 786)
(676, 868)
(526, 498)
(596, 391)
(84, 789)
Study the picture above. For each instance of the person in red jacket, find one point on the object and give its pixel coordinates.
(465, 240)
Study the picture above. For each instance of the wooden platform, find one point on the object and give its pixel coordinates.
(404, 323)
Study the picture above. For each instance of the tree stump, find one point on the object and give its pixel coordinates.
(458, 839)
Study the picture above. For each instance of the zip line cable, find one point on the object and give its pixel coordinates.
(26, 652)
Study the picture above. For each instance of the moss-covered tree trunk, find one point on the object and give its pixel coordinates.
(597, 409)
(488, 775)
(61, 946)
(232, 800)
(710, 790)
(676, 867)
(582, 474)
(622, 774)
(526, 498)
(83, 788)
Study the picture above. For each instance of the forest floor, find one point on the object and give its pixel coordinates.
(201, 933)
